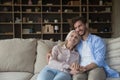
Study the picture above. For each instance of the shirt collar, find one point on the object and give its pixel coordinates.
(64, 47)
(88, 38)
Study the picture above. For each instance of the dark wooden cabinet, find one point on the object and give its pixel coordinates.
(49, 19)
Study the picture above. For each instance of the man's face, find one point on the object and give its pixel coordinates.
(80, 28)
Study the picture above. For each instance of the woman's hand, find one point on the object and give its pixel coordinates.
(48, 55)
(74, 67)
(73, 72)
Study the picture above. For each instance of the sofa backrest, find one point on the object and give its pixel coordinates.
(113, 53)
(17, 55)
(30, 54)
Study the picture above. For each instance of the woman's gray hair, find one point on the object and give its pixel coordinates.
(69, 34)
(67, 37)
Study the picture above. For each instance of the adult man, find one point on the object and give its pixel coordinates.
(92, 51)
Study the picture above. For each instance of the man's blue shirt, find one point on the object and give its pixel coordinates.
(98, 50)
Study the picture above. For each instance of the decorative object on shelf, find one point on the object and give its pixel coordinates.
(68, 10)
(83, 9)
(24, 19)
(37, 9)
(8, 33)
(38, 32)
(8, 3)
(49, 4)
(59, 10)
(108, 21)
(48, 28)
(39, 20)
(89, 20)
(93, 30)
(28, 19)
(108, 3)
(106, 29)
(55, 21)
(5, 9)
(49, 9)
(25, 31)
(56, 28)
(39, 2)
(73, 2)
(100, 2)
(108, 9)
(69, 22)
(29, 2)
(28, 10)
(17, 20)
(17, 2)
(32, 30)
(46, 20)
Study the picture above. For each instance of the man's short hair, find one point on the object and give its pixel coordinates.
(78, 18)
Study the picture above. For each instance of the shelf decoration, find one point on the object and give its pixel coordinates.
(39, 2)
(56, 28)
(48, 28)
(72, 2)
(29, 2)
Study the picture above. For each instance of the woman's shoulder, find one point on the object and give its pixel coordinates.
(57, 46)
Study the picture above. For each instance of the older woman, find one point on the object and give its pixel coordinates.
(63, 56)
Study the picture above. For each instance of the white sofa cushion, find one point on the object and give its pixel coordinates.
(113, 79)
(49, 43)
(42, 50)
(113, 53)
(113, 44)
(17, 54)
(15, 76)
(34, 77)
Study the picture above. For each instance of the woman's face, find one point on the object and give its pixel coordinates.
(73, 38)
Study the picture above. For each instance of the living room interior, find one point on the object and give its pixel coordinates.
(30, 28)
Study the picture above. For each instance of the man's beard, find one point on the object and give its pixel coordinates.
(84, 32)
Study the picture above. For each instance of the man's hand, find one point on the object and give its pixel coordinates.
(74, 72)
(90, 66)
(82, 69)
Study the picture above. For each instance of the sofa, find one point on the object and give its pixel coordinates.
(22, 59)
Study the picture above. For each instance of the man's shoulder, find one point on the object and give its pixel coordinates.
(95, 37)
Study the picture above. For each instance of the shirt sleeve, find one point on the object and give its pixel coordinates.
(54, 62)
(99, 52)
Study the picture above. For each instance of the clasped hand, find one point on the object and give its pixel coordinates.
(76, 68)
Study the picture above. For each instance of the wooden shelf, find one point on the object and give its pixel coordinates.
(34, 17)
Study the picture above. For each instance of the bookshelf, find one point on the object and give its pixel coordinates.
(50, 19)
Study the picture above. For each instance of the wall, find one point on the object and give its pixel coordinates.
(116, 18)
